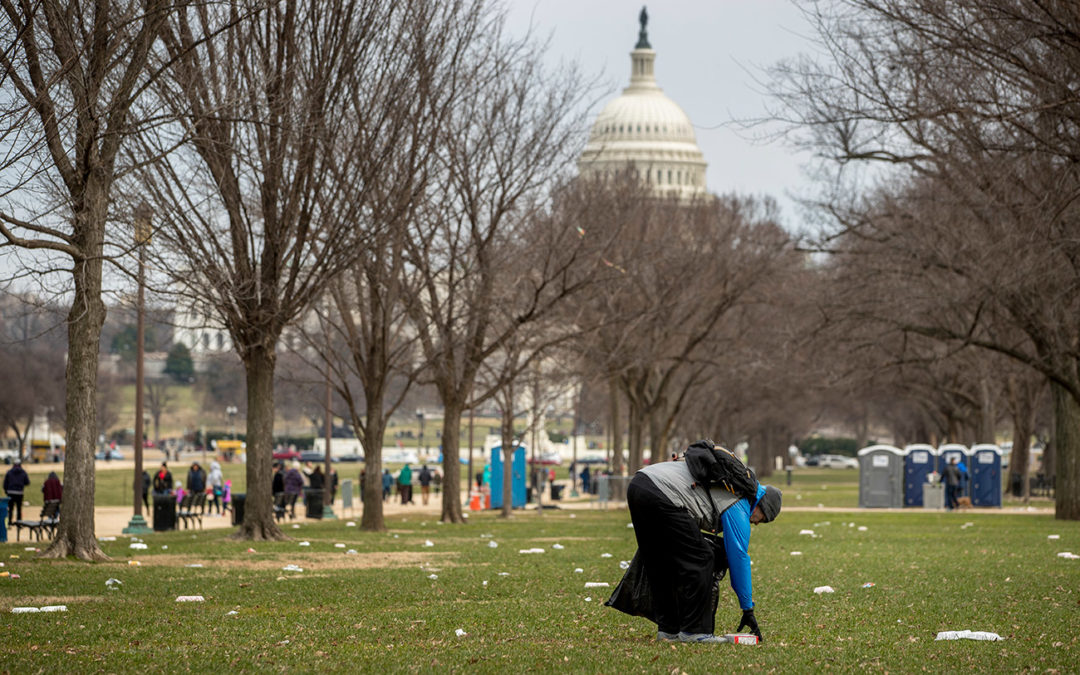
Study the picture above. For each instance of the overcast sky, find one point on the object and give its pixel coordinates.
(708, 54)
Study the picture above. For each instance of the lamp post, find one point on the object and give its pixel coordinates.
(231, 412)
(420, 440)
(137, 525)
(328, 506)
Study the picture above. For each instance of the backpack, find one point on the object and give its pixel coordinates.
(711, 465)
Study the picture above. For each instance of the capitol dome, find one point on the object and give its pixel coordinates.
(646, 129)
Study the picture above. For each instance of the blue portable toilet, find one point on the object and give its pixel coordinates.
(881, 477)
(517, 478)
(985, 470)
(920, 460)
(962, 455)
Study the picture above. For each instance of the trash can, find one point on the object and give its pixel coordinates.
(164, 512)
(3, 518)
(556, 491)
(313, 498)
(237, 502)
(933, 496)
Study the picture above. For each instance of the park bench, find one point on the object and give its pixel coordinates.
(192, 507)
(49, 519)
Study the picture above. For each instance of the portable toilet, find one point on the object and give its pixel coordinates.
(881, 477)
(517, 478)
(963, 456)
(920, 460)
(985, 470)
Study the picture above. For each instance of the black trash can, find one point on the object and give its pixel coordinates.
(238, 508)
(313, 498)
(164, 512)
(556, 491)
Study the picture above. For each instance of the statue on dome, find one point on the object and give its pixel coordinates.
(643, 38)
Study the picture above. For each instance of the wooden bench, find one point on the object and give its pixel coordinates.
(49, 519)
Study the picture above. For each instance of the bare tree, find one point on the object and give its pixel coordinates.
(972, 104)
(71, 74)
(506, 141)
(159, 394)
(284, 113)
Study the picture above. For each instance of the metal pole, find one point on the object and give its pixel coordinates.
(469, 477)
(142, 237)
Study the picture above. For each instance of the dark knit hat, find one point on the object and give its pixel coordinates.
(770, 503)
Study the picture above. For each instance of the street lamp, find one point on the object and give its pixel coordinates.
(231, 412)
(420, 440)
(137, 525)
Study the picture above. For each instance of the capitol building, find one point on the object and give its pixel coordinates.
(645, 129)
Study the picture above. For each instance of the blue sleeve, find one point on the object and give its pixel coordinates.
(736, 523)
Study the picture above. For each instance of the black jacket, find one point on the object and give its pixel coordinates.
(16, 480)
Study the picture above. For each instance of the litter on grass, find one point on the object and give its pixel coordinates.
(113, 584)
(138, 547)
(134, 563)
(47, 608)
(824, 589)
(351, 551)
(486, 536)
(578, 570)
(862, 528)
(588, 599)
(557, 546)
(232, 612)
(194, 565)
(428, 542)
(485, 582)
(106, 538)
(967, 635)
(251, 550)
(350, 524)
(504, 574)
(460, 633)
(305, 543)
(339, 545)
(624, 564)
(966, 526)
(630, 525)
(292, 568)
(573, 515)
(164, 548)
(596, 584)
(809, 532)
(530, 550)
(1053, 536)
(605, 555)
(433, 577)
(493, 544)
(869, 584)
(1068, 555)
(296, 526)
(189, 598)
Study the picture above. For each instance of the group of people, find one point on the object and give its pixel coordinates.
(214, 484)
(955, 477)
(16, 480)
(292, 482)
(404, 481)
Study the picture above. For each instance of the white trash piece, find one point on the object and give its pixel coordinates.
(967, 635)
(1053, 536)
(578, 570)
(138, 547)
(824, 589)
(796, 553)
(194, 565)
(558, 546)
(1068, 555)
(351, 551)
(460, 633)
(292, 568)
(305, 543)
(339, 545)
(605, 555)
(588, 599)
(504, 574)
(630, 525)
(350, 524)
(113, 584)
(809, 532)
(624, 564)
(189, 598)
(106, 538)
(596, 584)
(862, 528)
(531, 550)
(433, 577)
(232, 612)
(54, 608)
(428, 543)
(493, 544)
(24, 610)
(296, 526)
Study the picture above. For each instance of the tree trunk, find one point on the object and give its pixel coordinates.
(616, 429)
(507, 433)
(451, 506)
(75, 535)
(1067, 459)
(259, 521)
(636, 441)
(372, 519)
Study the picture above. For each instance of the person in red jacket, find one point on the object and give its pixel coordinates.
(52, 489)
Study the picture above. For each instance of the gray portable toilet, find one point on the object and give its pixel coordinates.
(920, 460)
(881, 477)
(985, 470)
(963, 456)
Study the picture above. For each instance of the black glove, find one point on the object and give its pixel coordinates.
(749, 621)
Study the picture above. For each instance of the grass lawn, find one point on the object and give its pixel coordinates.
(380, 610)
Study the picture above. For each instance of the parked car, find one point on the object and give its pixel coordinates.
(109, 454)
(813, 460)
(287, 454)
(838, 462)
(311, 456)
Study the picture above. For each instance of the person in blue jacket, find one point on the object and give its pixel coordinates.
(672, 517)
